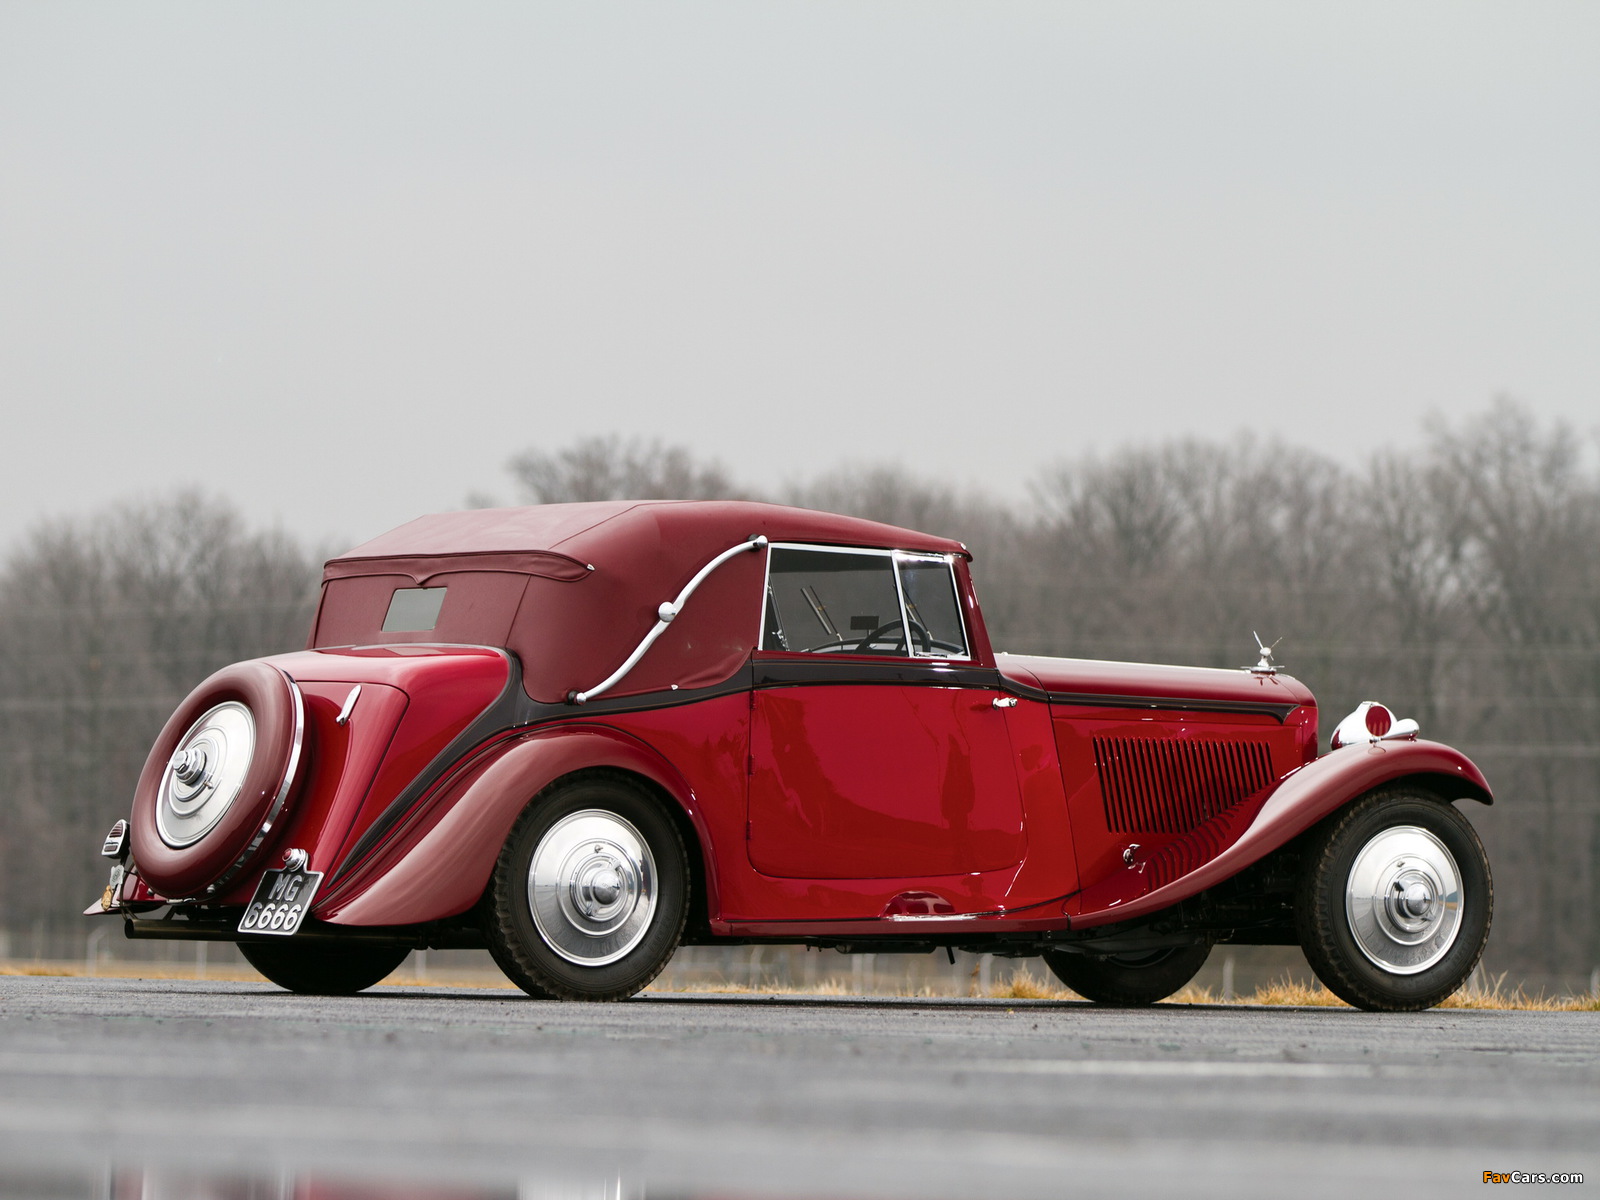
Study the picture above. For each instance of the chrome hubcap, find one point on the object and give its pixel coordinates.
(1403, 900)
(592, 887)
(204, 775)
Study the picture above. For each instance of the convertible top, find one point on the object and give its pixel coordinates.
(550, 539)
(572, 588)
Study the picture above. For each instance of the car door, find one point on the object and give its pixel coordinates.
(877, 749)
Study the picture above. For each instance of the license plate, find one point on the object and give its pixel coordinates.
(282, 899)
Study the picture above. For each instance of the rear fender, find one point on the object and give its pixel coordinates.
(441, 870)
(1226, 844)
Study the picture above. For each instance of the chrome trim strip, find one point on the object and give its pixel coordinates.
(900, 598)
(349, 704)
(665, 614)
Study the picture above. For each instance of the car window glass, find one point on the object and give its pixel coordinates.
(832, 602)
(930, 591)
(413, 610)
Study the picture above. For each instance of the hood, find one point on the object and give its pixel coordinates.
(1080, 680)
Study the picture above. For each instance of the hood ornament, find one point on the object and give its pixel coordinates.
(1264, 665)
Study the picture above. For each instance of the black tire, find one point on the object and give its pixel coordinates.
(1128, 980)
(614, 896)
(1376, 834)
(323, 968)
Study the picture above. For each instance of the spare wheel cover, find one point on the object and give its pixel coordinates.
(218, 779)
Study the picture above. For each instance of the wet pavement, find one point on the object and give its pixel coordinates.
(223, 1090)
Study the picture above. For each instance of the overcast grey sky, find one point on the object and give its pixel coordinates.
(339, 261)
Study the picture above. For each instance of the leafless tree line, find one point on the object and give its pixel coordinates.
(106, 623)
(1459, 583)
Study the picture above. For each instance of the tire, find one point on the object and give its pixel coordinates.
(611, 894)
(323, 968)
(1375, 912)
(241, 734)
(1128, 980)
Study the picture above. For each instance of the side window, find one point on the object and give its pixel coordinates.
(832, 602)
(930, 590)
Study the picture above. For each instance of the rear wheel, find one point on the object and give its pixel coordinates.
(323, 968)
(590, 894)
(1128, 980)
(1394, 906)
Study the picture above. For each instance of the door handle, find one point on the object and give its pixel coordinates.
(1005, 702)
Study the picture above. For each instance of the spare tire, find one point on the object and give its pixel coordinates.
(218, 779)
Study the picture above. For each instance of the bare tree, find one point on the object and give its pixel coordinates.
(1180, 551)
(1526, 517)
(614, 468)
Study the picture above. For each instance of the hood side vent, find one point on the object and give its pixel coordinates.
(1163, 785)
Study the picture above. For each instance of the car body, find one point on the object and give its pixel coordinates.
(583, 734)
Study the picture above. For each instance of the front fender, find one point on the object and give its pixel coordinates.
(1229, 842)
(441, 871)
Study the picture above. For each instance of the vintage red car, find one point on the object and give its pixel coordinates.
(581, 735)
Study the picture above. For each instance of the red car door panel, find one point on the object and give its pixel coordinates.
(873, 781)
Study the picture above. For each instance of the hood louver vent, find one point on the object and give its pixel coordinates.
(1169, 786)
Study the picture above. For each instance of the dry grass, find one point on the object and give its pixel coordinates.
(1294, 993)
(1023, 986)
(1494, 995)
(1280, 993)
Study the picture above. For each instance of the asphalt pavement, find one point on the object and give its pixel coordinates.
(190, 1086)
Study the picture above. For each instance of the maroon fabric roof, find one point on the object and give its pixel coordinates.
(522, 578)
(548, 535)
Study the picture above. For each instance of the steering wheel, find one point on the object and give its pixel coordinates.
(864, 646)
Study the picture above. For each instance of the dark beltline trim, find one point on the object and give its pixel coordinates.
(1095, 700)
(1025, 690)
(802, 672)
(1171, 703)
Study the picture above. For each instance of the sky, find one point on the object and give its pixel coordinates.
(339, 262)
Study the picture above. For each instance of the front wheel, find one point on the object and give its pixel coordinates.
(1128, 980)
(590, 894)
(323, 968)
(1394, 906)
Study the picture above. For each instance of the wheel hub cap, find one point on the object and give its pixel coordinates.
(592, 887)
(1403, 900)
(205, 773)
